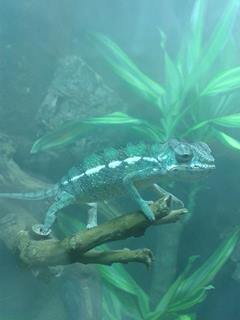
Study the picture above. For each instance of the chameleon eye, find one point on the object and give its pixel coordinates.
(185, 157)
(183, 153)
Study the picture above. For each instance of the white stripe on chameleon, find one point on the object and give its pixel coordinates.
(132, 160)
(162, 157)
(77, 177)
(114, 164)
(74, 178)
(150, 159)
(94, 170)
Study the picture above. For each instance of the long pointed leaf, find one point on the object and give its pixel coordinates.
(172, 81)
(163, 305)
(216, 42)
(74, 130)
(221, 34)
(203, 276)
(227, 140)
(119, 279)
(195, 43)
(127, 70)
(190, 290)
(229, 121)
(224, 82)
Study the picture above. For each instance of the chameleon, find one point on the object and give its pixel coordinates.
(122, 171)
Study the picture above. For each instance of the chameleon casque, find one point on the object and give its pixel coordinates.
(122, 172)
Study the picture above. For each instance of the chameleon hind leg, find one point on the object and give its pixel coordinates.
(92, 215)
(63, 200)
(135, 195)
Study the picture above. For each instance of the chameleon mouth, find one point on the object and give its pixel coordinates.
(193, 168)
(204, 167)
(194, 172)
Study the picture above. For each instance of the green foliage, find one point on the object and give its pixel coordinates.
(187, 317)
(223, 83)
(75, 130)
(189, 104)
(122, 295)
(125, 290)
(127, 70)
(229, 121)
(188, 290)
(227, 140)
(218, 39)
(196, 34)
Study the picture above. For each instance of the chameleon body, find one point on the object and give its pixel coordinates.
(123, 171)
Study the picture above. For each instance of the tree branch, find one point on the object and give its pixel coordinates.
(121, 256)
(123, 227)
(76, 248)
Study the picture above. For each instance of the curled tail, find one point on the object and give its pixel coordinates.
(38, 195)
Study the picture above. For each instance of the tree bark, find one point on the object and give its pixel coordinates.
(79, 247)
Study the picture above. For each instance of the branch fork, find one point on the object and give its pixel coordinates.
(81, 246)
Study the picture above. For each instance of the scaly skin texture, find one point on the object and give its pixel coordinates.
(123, 172)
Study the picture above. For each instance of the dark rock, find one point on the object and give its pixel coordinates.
(76, 92)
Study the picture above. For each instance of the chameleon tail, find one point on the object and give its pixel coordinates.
(38, 195)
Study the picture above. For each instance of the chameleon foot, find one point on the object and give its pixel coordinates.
(41, 230)
(149, 202)
(175, 202)
(91, 225)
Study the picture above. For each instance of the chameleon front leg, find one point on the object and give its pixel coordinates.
(64, 199)
(135, 195)
(92, 215)
(175, 202)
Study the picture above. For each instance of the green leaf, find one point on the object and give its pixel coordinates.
(194, 44)
(191, 47)
(189, 290)
(74, 130)
(216, 43)
(227, 140)
(163, 306)
(112, 307)
(224, 82)
(220, 35)
(229, 121)
(122, 283)
(127, 70)
(187, 317)
(203, 276)
(172, 79)
(197, 24)
(188, 303)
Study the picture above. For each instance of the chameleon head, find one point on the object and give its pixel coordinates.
(189, 160)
